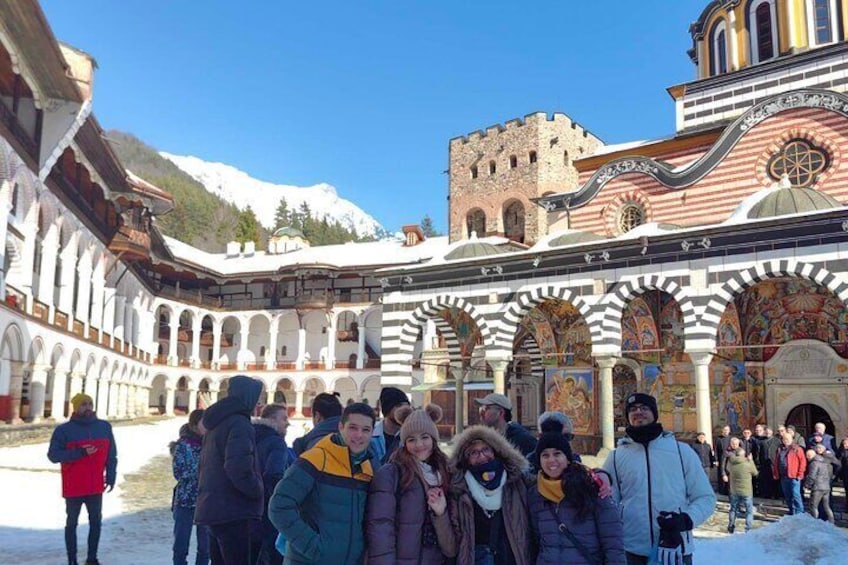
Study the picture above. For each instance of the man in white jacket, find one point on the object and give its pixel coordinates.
(661, 487)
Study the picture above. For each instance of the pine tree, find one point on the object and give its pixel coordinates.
(427, 227)
(247, 227)
(282, 218)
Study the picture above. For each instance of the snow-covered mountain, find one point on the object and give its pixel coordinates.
(241, 189)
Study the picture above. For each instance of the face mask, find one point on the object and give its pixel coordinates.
(488, 474)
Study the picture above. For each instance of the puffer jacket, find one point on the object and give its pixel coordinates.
(185, 465)
(395, 522)
(664, 476)
(796, 461)
(83, 474)
(819, 474)
(319, 506)
(229, 485)
(326, 427)
(514, 506)
(741, 471)
(600, 534)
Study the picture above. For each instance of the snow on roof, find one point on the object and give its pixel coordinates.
(375, 253)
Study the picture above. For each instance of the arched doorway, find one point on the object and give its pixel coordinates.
(805, 416)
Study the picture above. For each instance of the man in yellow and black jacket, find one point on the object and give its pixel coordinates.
(319, 505)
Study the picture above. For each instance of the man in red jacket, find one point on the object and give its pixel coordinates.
(85, 447)
(789, 467)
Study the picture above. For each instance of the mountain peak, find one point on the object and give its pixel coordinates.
(242, 190)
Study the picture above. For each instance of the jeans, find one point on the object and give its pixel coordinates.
(94, 507)
(183, 522)
(229, 543)
(791, 489)
(736, 500)
(483, 555)
(823, 497)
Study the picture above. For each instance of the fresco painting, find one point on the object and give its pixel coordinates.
(571, 391)
(624, 384)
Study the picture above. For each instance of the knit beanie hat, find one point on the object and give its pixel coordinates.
(642, 398)
(391, 397)
(552, 438)
(80, 398)
(421, 421)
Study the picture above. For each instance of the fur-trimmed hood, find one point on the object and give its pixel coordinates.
(515, 463)
(265, 422)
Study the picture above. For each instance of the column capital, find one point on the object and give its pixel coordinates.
(701, 357)
(606, 361)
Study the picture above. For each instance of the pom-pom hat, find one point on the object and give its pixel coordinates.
(552, 438)
(421, 421)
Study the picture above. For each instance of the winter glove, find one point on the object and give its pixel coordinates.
(672, 524)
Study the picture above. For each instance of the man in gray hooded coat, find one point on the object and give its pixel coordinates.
(230, 492)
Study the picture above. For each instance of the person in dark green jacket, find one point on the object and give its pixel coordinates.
(320, 503)
(741, 472)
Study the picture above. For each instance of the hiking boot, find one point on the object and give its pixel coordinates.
(731, 528)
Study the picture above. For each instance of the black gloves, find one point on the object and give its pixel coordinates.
(670, 551)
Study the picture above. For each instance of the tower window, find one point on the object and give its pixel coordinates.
(492, 167)
(800, 161)
(718, 50)
(533, 157)
(476, 222)
(630, 216)
(565, 159)
(821, 21)
(474, 172)
(513, 161)
(763, 31)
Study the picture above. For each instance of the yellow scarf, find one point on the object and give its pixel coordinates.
(550, 488)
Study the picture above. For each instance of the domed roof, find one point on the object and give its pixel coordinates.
(288, 231)
(784, 201)
(473, 249)
(573, 237)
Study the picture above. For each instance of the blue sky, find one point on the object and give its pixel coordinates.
(366, 95)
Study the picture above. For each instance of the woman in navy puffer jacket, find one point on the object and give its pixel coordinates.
(186, 457)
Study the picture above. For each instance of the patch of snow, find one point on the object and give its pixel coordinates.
(239, 188)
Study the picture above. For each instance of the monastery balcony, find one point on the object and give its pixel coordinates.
(314, 301)
(10, 120)
(130, 244)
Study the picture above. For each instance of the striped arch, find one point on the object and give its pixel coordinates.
(537, 369)
(529, 299)
(430, 310)
(451, 341)
(612, 307)
(743, 280)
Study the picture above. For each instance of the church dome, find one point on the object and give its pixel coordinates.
(473, 250)
(573, 237)
(287, 231)
(785, 201)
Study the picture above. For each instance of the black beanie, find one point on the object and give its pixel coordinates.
(391, 397)
(552, 438)
(642, 398)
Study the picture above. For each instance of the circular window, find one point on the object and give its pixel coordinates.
(800, 161)
(630, 216)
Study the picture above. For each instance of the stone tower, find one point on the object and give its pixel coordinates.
(494, 174)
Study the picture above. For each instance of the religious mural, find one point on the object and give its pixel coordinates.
(624, 384)
(571, 391)
(465, 329)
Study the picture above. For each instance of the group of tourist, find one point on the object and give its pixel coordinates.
(357, 490)
(768, 465)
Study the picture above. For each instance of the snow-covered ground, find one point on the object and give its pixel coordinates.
(32, 515)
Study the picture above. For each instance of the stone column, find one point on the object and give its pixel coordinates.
(733, 48)
(298, 404)
(58, 401)
(217, 327)
(16, 390)
(271, 352)
(77, 378)
(102, 399)
(192, 399)
(331, 347)
(68, 257)
(244, 334)
(129, 327)
(173, 335)
(5, 207)
(132, 400)
(27, 264)
(97, 285)
(301, 349)
(701, 360)
(83, 291)
(196, 328)
(108, 323)
(119, 330)
(360, 349)
(606, 415)
(37, 391)
(121, 408)
(169, 400)
(46, 277)
(499, 372)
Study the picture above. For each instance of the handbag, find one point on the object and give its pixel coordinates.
(584, 551)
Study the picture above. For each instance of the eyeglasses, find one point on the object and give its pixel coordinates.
(638, 408)
(482, 452)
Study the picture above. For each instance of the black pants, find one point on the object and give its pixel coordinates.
(94, 507)
(633, 559)
(229, 543)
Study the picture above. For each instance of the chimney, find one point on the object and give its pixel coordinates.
(249, 248)
(233, 249)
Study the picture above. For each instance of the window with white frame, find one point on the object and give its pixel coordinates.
(762, 28)
(718, 49)
(821, 22)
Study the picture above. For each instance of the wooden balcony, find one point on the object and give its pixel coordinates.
(131, 244)
(315, 301)
(286, 365)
